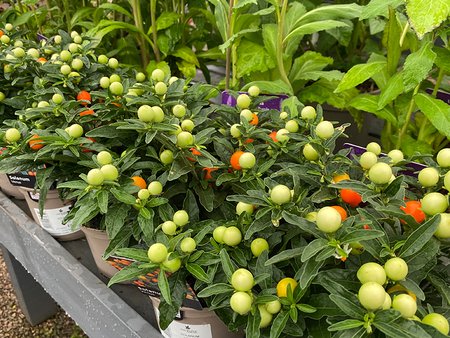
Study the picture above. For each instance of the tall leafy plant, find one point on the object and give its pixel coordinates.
(408, 75)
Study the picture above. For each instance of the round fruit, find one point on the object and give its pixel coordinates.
(33, 52)
(284, 115)
(234, 160)
(140, 77)
(84, 97)
(188, 245)
(372, 296)
(77, 39)
(247, 160)
(18, 43)
(160, 88)
(368, 159)
(76, 76)
(291, 126)
(157, 253)
(234, 130)
(434, 203)
(19, 52)
(447, 181)
(243, 101)
(341, 211)
(438, 321)
(102, 59)
(65, 55)
(284, 284)
(351, 197)
(414, 208)
(146, 113)
(443, 230)
(380, 173)
(246, 114)
(405, 304)
(428, 177)
(371, 272)
(179, 110)
(12, 135)
(396, 156)
(308, 113)
(95, 177)
(181, 218)
(325, 130)
(172, 265)
(158, 75)
(43, 104)
(172, 79)
(166, 157)
(65, 69)
(310, 153)
(74, 47)
(77, 64)
(110, 172)
(244, 207)
(374, 147)
(57, 39)
(75, 131)
(104, 157)
(232, 236)
(57, 98)
(187, 125)
(116, 88)
(185, 139)
(169, 228)
(241, 302)
(114, 78)
(113, 63)
(328, 220)
(266, 316)
(280, 194)
(218, 234)
(396, 269)
(9, 27)
(35, 142)
(259, 245)
(443, 158)
(155, 188)
(273, 307)
(282, 135)
(139, 182)
(5, 39)
(254, 91)
(143, 194)
(242, 280)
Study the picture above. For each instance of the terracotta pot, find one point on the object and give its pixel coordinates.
(10, 189)
(54, 212)
(98, 242)
(195, 323)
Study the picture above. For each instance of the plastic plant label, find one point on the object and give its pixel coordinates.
(51, 221)
(183, 330)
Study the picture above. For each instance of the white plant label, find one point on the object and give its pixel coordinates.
(182, 330)
(51, 221)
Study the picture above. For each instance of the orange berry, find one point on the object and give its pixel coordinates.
(351, 197)
(254, 121)
(341, 211)
(340, 177)
(139, 182)
(41, 60)
(234, 160)
(35, 143)
(208, 172)
(84, 96)
(273, 136)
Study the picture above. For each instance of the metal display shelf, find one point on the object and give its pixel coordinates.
(38, 265)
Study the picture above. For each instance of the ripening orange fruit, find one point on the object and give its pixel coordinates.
(35, 143)
(139, 182)
(341, 211)
(351, 197)
(84, 97)
(234, 160)
(255, 119)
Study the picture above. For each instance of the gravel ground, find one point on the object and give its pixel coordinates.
(13, 323)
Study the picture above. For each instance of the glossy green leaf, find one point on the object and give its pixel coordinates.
(437, 111)
(345, 325)
(369, 103)
(379, 8)
(314, 27)
(394, 87)
(347, 306)
(313, 248)
(358, 74)
(278, 324)
(417, 66)
(419, 237)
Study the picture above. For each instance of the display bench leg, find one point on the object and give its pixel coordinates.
(34, 301)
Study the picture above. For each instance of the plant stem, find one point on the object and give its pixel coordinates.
(408, 118)
(280, 48)
(438, 82)
(405, 30)
(228, 52)
(137, 15)
(154, 32)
